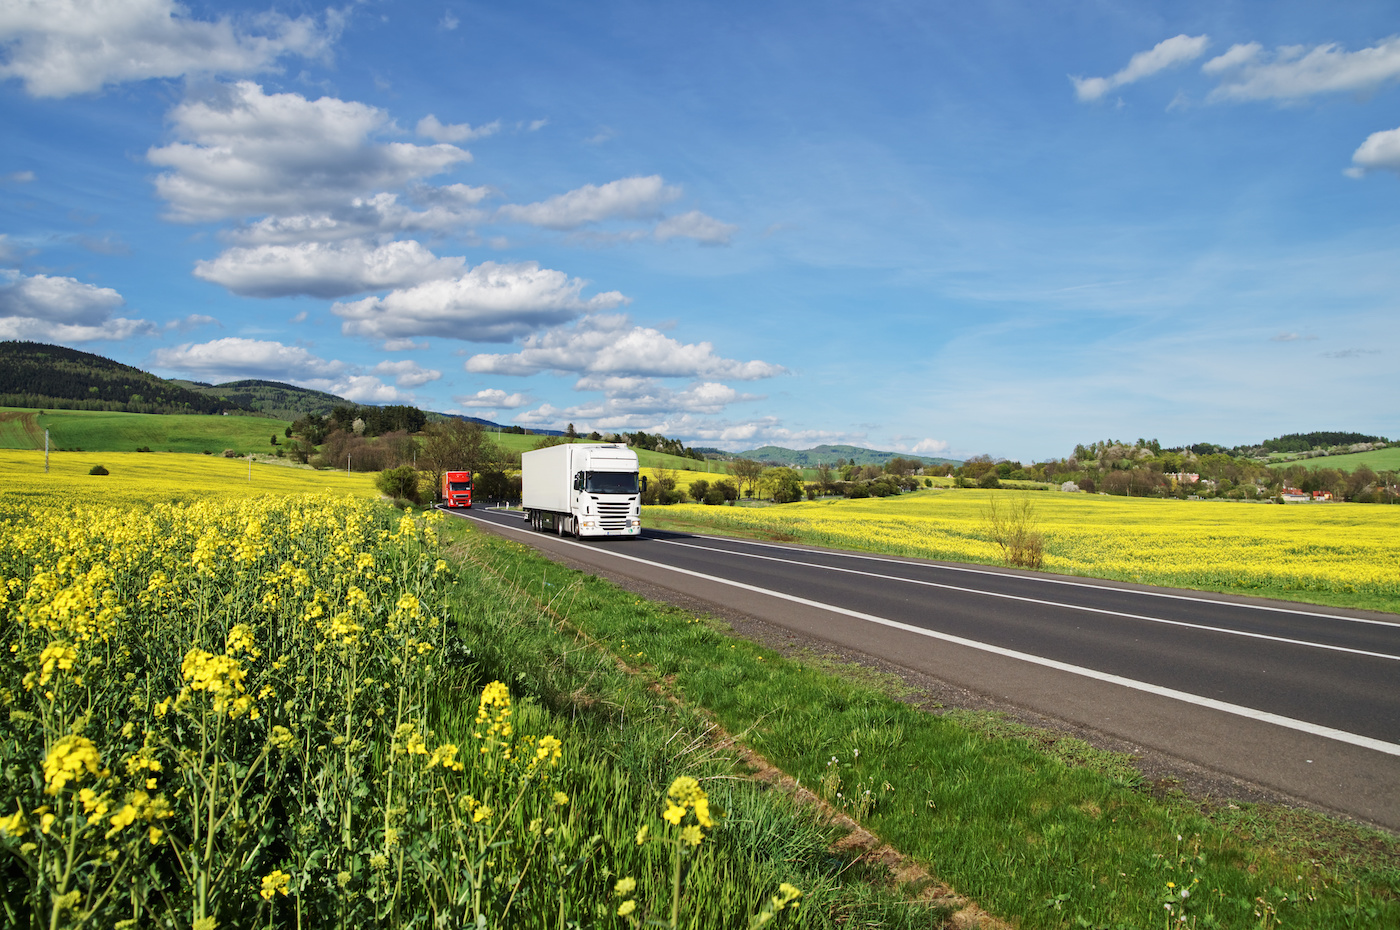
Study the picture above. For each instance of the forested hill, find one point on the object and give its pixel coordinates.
(33, 374)
(283, 401)
(829, 455)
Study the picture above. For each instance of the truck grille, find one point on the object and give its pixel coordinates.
(613, 516)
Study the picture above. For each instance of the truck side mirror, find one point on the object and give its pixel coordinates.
(578, 481)
(644, 484)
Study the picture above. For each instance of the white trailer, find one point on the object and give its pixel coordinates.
(582, 489)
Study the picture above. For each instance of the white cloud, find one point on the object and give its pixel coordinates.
(1296, 71)
(449, 22)
(612, 345)
(933, 447)
(1380, 152)
(631, 395)
(1168, 53)
(490, 303)
(320, 269)
(19, 177)
(430, 127)
(695, 225)
(246, 153)
(444, 208)
(60, 309)
(192, 321)
(493, 399)
(363, 389)
(629, 198)
(408, 373)
(63, 47)
(235, 358)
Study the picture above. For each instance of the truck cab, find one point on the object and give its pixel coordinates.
(456, 489)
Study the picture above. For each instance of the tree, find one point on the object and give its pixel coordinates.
(748, 472)
(786, 484)
(457, 445)
(571, 432)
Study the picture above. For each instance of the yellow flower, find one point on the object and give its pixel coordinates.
(692, 835)
(206, 923)
(275, 883)
(626, 908)
(673, 814)
(71, 757)
(560, 798)
(14, 825)
(625, 887)
(642, 834)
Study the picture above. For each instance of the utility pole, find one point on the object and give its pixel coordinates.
(347, 464)
(46, 452)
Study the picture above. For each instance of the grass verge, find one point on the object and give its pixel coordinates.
(1048, 840)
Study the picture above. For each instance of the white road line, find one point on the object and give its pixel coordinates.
(1302, 726)
(1045, 579)
(1045, 603)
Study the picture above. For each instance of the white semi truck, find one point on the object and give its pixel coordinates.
(583, 489)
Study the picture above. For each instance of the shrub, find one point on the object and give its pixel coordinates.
(1013, 528)
(714, 496)
(98, 470)
(398, 483)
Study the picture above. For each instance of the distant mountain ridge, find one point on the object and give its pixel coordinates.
(828, 454)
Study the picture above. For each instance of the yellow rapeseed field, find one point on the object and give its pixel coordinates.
(1300, 551)
(143, 477)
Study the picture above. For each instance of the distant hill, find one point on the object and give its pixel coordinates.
(828, 455)
(33, 374)
(283, 401)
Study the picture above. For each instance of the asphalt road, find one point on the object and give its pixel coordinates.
(1303, 701)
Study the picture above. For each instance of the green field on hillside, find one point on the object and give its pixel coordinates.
(1387, 459)
(98, 430)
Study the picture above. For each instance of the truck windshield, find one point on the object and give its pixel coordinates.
(459, 485)
(611, 482)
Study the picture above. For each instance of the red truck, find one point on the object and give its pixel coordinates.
(457, 489)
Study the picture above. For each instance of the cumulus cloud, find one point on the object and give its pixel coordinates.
(192, 321)
(630, 396)
(695, 225)
(1246, 72)
(442, 208)
(490, 303)
(613, 345)
(493, 399)
(321, 269)
(1380, 152)
(235, 358)
(629, 198)
(430, 127)
(62, 47)
(62, 309)
(1168, 53)
(408, 373)
(244, 153)
(934, 447)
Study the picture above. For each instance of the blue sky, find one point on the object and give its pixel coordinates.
(951, 229)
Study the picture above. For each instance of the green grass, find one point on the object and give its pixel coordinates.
(102, 431)
(1044, 836)
(1387, 459)
(625, 742)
